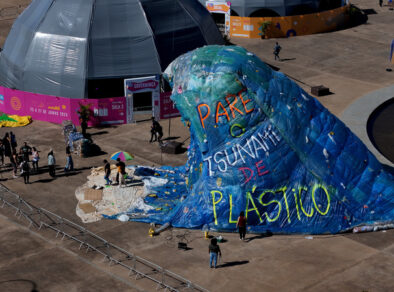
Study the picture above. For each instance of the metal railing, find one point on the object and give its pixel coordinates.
(40, 218)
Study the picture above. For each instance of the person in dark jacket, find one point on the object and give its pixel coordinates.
(25, 171)
(7, 145)
(25, 151)
(1, 152)
(14, 163)
(214, 251)
(156, 131)
(13, 140)
(277, 50)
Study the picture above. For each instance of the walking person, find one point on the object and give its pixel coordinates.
(13, 140)
(153, 133)
(241, 225)
(14, 163)
(380, 3)
(35, 156)
(159, 131)
(121, 172)
(7, 146)
(70, 163)
(25, 171)
(107, 172)
(156, 131)
(51, 163)
(214, 251)
(277, 49)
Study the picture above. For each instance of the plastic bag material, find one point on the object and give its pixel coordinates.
(13, 121)
(261, 145)
(123, 218)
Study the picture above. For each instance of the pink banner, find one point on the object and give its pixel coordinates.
(106, 111)
(56, 109)
(167, 108)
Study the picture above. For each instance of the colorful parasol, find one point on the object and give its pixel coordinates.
(122, 155)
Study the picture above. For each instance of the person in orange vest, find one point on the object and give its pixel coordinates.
(121, 172)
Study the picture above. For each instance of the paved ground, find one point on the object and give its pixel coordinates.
(351, 62)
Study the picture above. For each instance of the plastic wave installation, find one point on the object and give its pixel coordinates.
(262, 145)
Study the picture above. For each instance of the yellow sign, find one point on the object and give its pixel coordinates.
(217, 7)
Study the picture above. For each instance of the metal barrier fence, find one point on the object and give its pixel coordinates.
(40, 218)
(8, 13)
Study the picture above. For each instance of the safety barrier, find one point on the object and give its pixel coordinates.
(40, 218)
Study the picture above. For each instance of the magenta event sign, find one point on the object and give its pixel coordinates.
(56, 109)
(167, 108)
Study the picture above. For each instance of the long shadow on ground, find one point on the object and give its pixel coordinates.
(233, 263)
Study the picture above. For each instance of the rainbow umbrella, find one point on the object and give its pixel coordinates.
(122, 155)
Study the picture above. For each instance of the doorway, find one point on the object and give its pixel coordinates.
(142, 102)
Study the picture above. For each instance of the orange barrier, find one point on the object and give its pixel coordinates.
(286, 26)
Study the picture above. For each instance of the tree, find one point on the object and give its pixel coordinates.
(264, 28)
(84, 113)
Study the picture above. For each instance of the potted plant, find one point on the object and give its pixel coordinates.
(264, 28)
(84, 113)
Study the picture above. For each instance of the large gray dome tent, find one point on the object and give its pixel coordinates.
(85, 48)
(272, 8)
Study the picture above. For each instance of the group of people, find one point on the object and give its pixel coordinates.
(18, 159)
(120, 174)
(21, 159)
(52, 162)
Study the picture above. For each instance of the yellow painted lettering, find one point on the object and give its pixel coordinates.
(300, 189)
(249, 198)
(269, 203)
(214, 203)
(231, 211)
(296, 203)
(283, 190)
(318, 186)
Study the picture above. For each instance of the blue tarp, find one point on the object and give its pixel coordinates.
(260, 144)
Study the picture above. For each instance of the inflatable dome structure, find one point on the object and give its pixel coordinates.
(86, 48)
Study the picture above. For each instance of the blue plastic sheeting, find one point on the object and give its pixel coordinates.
(262, 145)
